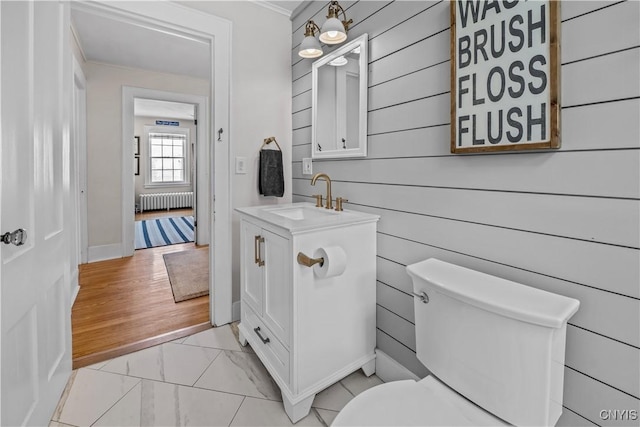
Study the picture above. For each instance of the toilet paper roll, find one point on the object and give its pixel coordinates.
(335, 262)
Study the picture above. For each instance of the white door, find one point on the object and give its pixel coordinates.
(34, 192)
(194, 175)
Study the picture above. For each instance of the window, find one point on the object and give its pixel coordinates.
(168, 155)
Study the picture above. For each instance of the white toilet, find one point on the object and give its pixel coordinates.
(495, 346)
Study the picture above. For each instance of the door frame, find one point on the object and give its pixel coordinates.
(79, 88)
(78, 198)
(201, 182)
(216, 31)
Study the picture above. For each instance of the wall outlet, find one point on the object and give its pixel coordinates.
(307, 166)
(241, 165)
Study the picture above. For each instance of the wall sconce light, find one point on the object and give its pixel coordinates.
(310, 46)
(339, 61)
(333, 31)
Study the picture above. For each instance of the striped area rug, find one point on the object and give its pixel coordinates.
(163, 231)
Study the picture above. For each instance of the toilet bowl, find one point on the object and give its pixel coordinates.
(427, 402)
(495, 349)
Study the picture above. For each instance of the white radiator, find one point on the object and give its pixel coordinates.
(153, 201)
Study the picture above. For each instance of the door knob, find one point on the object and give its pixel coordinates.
(18, 237)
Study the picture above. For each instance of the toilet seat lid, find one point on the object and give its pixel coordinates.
(426, 402)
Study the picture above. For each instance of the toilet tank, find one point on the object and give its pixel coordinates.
(499, 343)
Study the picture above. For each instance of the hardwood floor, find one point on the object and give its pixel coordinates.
(127, 304)
(163, 214)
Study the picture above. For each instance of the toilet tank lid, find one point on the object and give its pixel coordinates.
(497, 295)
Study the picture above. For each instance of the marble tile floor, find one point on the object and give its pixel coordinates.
(206, 379)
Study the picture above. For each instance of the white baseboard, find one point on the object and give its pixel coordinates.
(388, 369)
(74, 294)
(235, 311)
(75, 286)
(104, 252)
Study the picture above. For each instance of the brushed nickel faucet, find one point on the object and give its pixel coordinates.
(324, 176)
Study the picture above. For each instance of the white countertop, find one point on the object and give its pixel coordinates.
(305, 217)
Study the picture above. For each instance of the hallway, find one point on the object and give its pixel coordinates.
(126, 304)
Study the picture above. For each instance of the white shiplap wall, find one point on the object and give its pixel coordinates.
(565, 221)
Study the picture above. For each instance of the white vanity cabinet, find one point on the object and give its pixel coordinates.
(309, 332)
(266, 277)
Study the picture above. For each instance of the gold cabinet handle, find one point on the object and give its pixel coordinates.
(256, 250)
(309, 262)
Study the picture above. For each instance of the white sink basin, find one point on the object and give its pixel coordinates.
(300, 213)
(305, 217)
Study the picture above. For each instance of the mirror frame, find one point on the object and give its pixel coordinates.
(363, 63)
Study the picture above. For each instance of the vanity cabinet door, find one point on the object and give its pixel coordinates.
(277, 284)
(251, 270)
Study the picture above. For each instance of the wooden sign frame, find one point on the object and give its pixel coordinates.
(523, 109)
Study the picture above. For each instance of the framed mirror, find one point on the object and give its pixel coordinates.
(339, 102)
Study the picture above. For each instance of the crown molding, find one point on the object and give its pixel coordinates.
(268, 5)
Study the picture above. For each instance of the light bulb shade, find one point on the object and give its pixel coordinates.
(339, 61)
(333, 31)
(310, 48)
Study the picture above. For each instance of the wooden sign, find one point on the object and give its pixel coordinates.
(505, 75)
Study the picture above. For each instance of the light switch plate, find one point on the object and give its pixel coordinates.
(241, 165)
(307, 166)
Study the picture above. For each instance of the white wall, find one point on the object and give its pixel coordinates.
(104, 133)
(139, 127)
(260, 100)
(565, 221)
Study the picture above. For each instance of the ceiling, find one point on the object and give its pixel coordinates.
(110, 41)
(106, 40)
(163, 109)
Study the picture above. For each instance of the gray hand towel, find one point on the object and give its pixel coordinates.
(271, 173)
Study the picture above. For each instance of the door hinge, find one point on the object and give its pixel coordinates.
(195, 223)
(195, 122)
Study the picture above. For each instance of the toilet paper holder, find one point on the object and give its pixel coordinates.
(309, 262)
